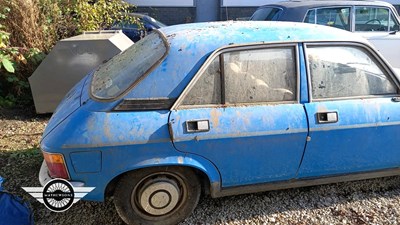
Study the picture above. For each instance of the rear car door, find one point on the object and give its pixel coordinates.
(242, 112)
(353, 115)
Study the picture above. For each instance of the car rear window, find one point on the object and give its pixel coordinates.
(266, 14)
(125, 70)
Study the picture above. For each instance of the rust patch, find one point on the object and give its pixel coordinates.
(215, 114)
(91, 123)
(106, 127)
(322, 108)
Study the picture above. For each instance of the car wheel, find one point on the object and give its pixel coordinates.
(157, 195)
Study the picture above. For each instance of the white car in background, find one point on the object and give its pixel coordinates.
(376, 21)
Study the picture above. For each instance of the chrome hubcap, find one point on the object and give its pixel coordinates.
(159, 196)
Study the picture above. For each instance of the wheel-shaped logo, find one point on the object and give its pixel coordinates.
(58, 195)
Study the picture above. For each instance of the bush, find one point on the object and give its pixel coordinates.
(15, 62)
(34, 26)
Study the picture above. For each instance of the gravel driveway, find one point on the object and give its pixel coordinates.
(375, 201)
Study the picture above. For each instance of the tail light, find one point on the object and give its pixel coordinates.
(56, 164)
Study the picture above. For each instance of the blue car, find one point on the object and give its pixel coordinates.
(134, 31)
(225, 108)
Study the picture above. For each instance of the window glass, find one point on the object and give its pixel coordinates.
(310, 17)
(266, 14)
(207, 89)
(393, 23)
(266, 75)
(334, 17)
(374, 19)
(122, 71)
(344, 71)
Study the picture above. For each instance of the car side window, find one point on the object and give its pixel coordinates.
(207, 89)
(267, 14)
(265, 75)
(375, 19)
(346, 71)
(247, 76)
(338, 17)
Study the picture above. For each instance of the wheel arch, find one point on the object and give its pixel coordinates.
(208, 174)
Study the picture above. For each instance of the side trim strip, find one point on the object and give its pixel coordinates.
(343, 127)
(217, 191)
(117, 144)
(241, 134)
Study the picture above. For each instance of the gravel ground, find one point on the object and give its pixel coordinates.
(374, 201)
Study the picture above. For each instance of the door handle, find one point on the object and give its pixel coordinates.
(197, 126)
(327, 117)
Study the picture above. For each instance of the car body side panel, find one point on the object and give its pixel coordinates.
(248, 144)
(117, 161)
(364, 138)
(385, 42)
(123, 159)
(126, 141)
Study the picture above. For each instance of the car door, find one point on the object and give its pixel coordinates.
(353, 115)
(242, 112)
(380, 26)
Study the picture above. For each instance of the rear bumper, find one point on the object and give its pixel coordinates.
(44, 176)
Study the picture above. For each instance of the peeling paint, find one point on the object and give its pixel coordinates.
(215, 114)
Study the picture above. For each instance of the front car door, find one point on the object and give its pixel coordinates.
(380, 25)
(242, 112)
(353, 115)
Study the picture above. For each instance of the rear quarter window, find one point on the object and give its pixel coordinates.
(267, 14)
(125, 70)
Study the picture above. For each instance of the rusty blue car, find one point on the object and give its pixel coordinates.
(225, 108)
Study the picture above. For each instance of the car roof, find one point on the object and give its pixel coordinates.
(217, 34)
(322, 3)
(191, 44)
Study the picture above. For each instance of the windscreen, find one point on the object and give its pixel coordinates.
(126, 69)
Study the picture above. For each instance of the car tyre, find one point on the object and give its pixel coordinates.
(158, 196)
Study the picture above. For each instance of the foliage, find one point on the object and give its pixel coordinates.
(5, 60)
(99, 15)
(35, 26)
